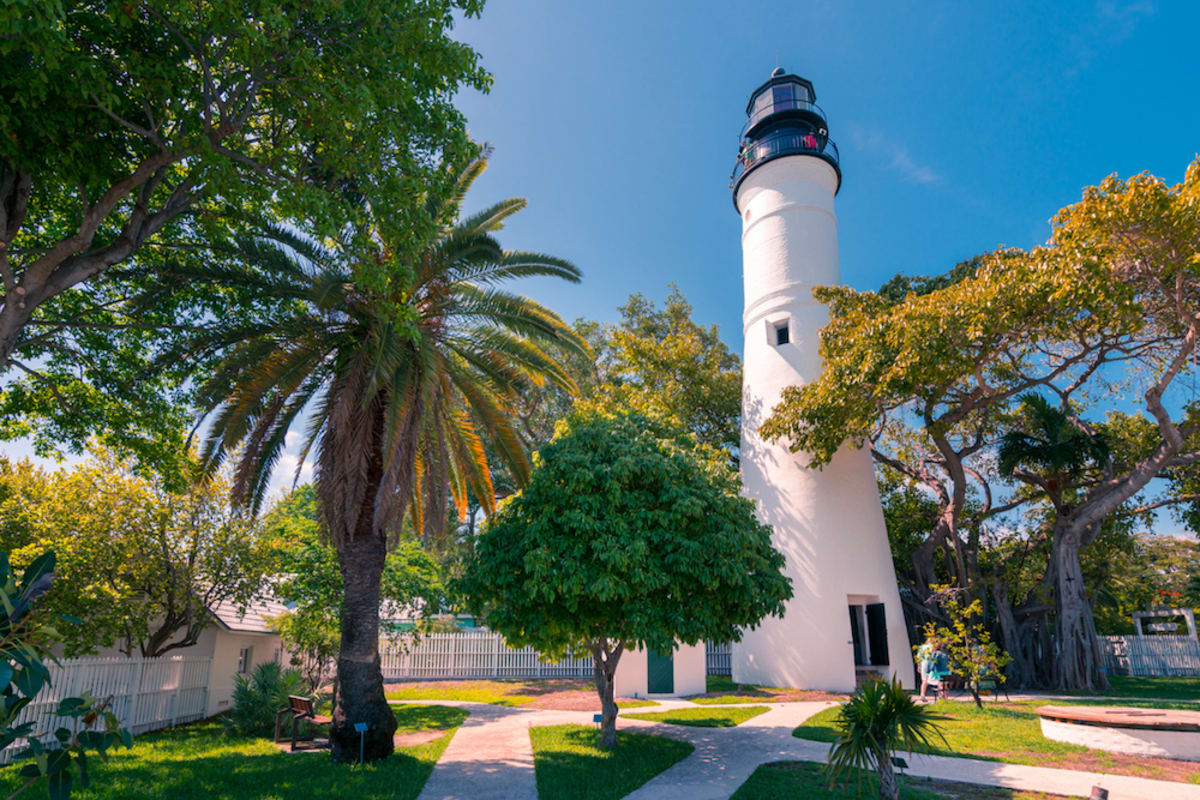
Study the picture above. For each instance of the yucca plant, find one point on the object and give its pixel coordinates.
(878, 721)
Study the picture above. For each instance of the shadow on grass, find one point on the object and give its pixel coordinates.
(200, 762)
(787, 780)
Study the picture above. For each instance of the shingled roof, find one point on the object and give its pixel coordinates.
(253, 621)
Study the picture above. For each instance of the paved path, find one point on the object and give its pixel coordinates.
(491, 758)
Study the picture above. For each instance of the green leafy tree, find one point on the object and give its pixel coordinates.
(623, 539)
(973, 655)
(26, 637)
(142, 565)
(118, 118)
(130, 134)
(877, 722)
(407, 366)
(1109, 308)
(661, 363)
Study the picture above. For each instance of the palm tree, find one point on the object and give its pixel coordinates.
(405, 367)
(878, 721)
(1052, 451)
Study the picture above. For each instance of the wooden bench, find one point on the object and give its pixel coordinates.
(301, 709)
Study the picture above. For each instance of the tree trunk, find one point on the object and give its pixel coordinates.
(1079, 659)
(359, 679)
(604, 670)
(1016, 673)
(889, 785)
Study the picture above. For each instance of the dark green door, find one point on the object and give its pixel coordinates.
(660, 673)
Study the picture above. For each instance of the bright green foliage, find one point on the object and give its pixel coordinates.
(878, 721)
(311, 583)
(662, 364)
(25, 639)
(973, 655)
(570, 766)
(624, 539)
(141, 565)
(948, 347)
(258, 696)
(126, 125)
(703, 717)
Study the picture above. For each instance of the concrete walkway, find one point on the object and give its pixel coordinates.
(490, 757)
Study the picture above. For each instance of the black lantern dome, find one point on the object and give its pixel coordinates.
(783, 119)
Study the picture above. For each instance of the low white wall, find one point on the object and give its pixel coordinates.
(690, 666)
(1179, 745)
(226, 648)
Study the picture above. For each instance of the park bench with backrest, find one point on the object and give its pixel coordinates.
(301, 710)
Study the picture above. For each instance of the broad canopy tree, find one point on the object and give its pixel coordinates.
(625, 537)
(139, 563)
(1115, 293)
(129, 131)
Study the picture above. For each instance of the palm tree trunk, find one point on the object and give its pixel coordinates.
(889, 785)
(360, 681)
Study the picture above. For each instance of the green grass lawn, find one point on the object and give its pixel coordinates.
(199, 762)
(704, 717)
(1011, 732)
(721, 690)
(508, 692)
(788, 780)
(1151, 688)
(571, 766)
(491, 692)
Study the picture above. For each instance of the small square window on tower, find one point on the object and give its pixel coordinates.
(781, 333)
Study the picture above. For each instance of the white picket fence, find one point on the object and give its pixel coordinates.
(471, 655)
(146, 693)
(717, 657)
(1151, 656)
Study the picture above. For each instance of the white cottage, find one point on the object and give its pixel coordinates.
(645, 673)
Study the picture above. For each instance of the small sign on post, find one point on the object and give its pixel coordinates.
(361, 727)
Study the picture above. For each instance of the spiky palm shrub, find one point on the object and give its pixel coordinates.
(404, 366)
(257, 697)
(878, 721)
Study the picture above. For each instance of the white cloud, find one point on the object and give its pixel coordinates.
(894, 154)
(1109, 25)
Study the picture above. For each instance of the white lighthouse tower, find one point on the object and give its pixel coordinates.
(845, 619)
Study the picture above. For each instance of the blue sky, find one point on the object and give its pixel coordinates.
(961, 126)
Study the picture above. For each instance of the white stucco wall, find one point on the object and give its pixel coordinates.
(690, 672)
(828, 523)
(227, 646)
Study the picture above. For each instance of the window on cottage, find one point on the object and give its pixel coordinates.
(245, 658)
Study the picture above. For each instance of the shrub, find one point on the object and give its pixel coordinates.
(879, 720)
(257, 698)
